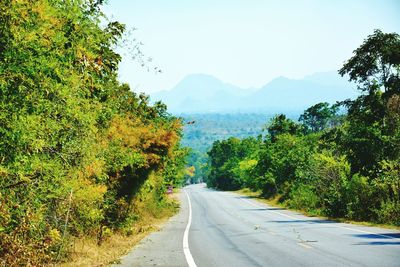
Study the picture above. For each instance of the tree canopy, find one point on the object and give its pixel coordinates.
(319, 116)
(80, 153)
(376, 61)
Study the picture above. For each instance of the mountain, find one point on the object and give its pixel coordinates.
(200, 93)
(289, 94)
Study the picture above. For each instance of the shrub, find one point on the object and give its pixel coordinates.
(360, 202)
(303, 197)
(329, 175)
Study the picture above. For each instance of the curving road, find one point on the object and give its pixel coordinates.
(231, 230)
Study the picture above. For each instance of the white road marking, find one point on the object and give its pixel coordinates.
(186, 250)
(304, 245)
(337, 226)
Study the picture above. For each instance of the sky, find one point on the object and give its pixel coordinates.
(245, 42)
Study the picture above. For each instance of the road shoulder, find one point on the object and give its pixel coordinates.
(164, 247)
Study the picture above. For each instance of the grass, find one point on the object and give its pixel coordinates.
(275, 202)
(86, 251)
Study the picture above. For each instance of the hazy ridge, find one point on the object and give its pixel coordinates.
(201, 93)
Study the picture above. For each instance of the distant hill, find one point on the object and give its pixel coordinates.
(200, 93)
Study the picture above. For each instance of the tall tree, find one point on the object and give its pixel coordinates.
(318, 117)
(281, 125)
(373, 132)
(376, 62)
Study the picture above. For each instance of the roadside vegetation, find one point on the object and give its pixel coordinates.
(207, 128)
(339, 160)
(81, 155)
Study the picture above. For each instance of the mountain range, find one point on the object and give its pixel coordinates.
(201, 93)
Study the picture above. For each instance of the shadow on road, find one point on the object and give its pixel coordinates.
(386, 236)
(378, 243)
(379, 236)
(245, 197)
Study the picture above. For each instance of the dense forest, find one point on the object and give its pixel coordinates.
(80, 153)
(201, 130)
(339, 160)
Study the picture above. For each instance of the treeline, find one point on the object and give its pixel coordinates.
(339, 160)
(208, 128)
(80, 153)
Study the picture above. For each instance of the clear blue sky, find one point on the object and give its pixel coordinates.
(246, 42)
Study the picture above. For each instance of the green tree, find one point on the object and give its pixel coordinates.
(225, 157)
(376, 62)
(281, 161)
(319, 117)
(372, 133)
(281, 125)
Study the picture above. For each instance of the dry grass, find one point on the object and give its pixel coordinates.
(86, 251)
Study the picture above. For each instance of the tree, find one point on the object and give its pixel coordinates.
(376, 62)
(372, 133)
(318, 117)
(281, 125)
(225, 157)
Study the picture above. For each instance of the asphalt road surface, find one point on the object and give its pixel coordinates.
(226, 229)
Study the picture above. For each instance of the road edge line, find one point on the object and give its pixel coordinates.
(186, 250)
(336, 226)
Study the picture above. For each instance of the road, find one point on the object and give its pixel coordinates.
(227, 229)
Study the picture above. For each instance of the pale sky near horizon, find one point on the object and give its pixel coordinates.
(246, 42)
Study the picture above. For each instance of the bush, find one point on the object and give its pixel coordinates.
(387, 188)
(329, 176)
(303, 197)
(360, 202)
(389, 212)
